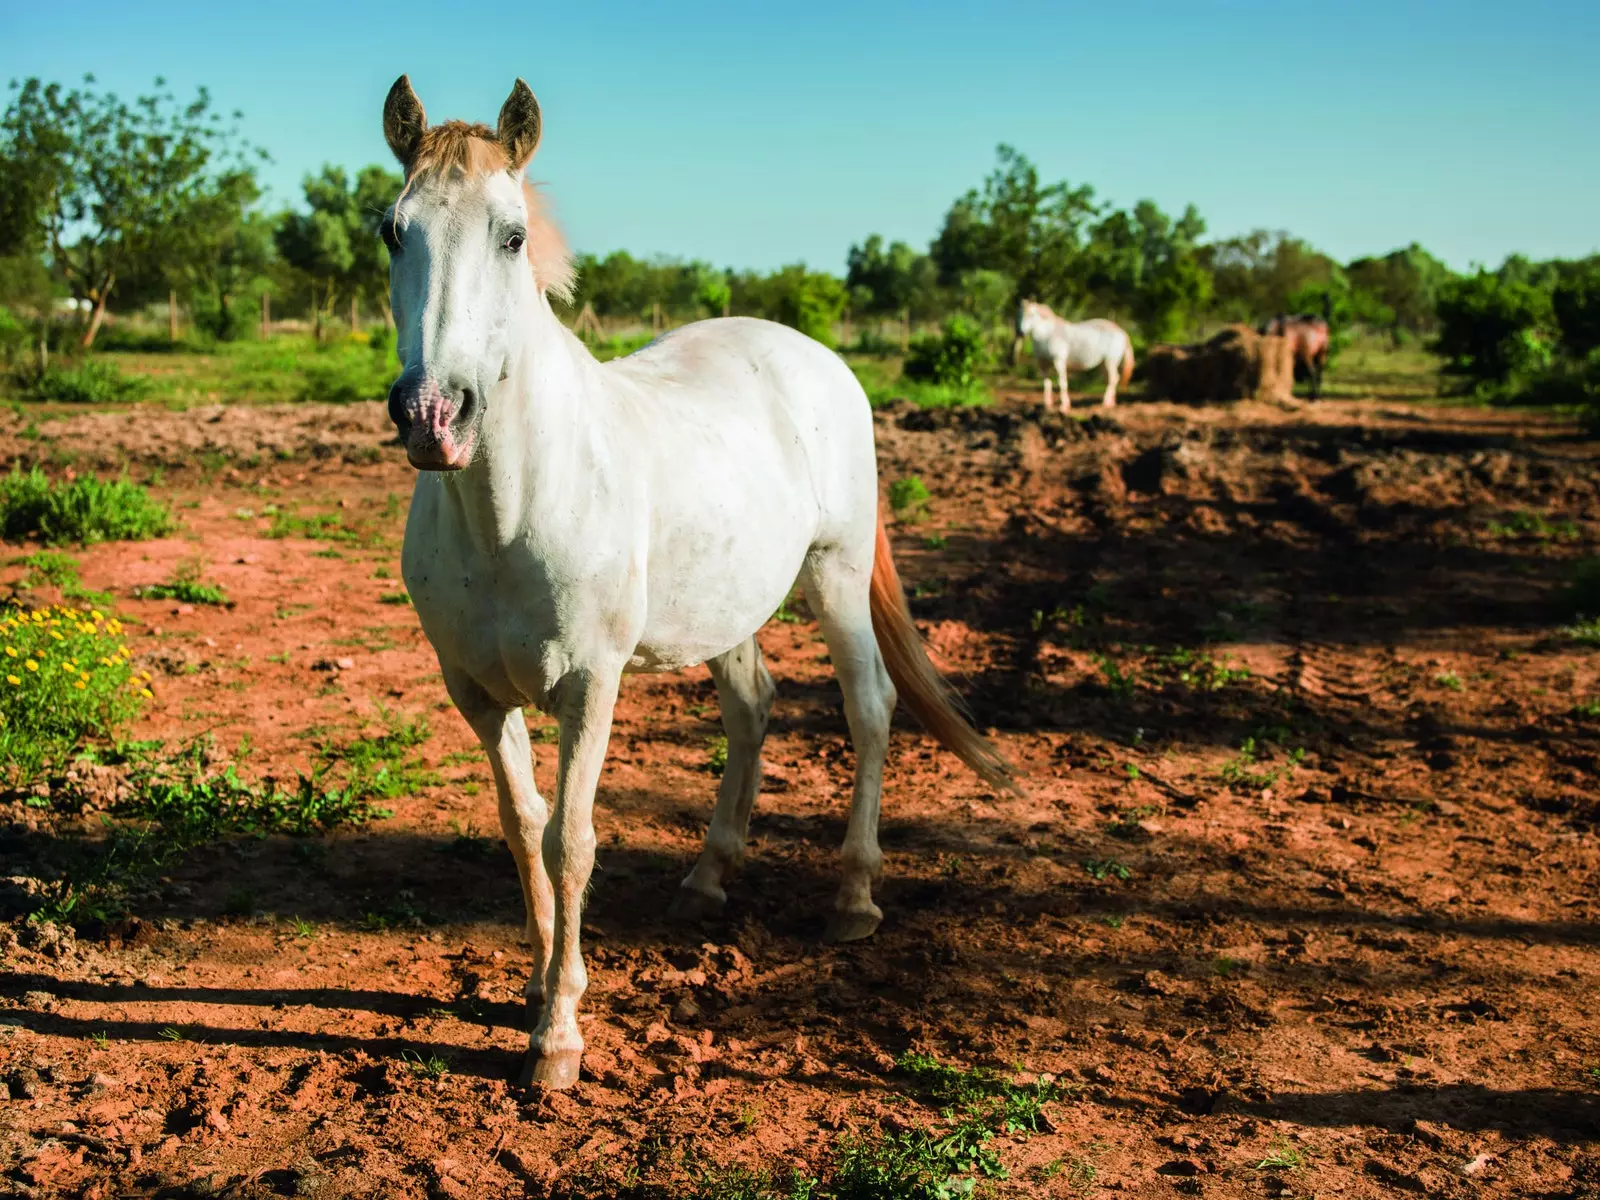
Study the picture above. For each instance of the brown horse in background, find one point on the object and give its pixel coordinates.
(1309, 338)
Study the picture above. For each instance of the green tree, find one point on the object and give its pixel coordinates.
(1494, 330)
(1576, 305)
(1019, 226)
(1398, 291)
(1143, 262)
(333, 246)
(109, 188)
(889, 280)
(1259, 274)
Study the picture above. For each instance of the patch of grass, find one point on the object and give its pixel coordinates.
(65, 681)
(1284, 1156)
(1525, 524)
(1244, 769)
(178, 802)
(1449, 679)
(1200, 671)
(1119, 683)
(1107, 868)
(394, 598)
(909, 498)
(92, 381)
(326, 527)
(49, 566)
(432, 1067)
(185, 587)
(1585, 631)
(172, 1034)
(84, 510)
(717, 761)
(1587, 708)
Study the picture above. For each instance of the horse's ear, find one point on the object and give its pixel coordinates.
(519, 126)
(403, 121)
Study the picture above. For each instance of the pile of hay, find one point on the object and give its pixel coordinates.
(1236, 364)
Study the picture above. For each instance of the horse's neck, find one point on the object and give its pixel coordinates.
(536, 440)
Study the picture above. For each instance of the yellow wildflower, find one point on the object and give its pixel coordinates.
(68, 668)
(80, 685)
(11, 651)
(31, 665)
(96, 614)
(13, 680)
(146, 693)
(57, 636)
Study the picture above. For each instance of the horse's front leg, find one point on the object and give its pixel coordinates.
(1066, 396)
(583, 702)
(522, 814)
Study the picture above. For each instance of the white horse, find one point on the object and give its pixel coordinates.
(574, 520)
(1075, 346)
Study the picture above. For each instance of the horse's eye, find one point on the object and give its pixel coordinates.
(390, 235)
(514, 243)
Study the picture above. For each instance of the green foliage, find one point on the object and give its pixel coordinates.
(184, 587)
(88, 382)
(65, 680)
(1101, 869)
(333, 247)
(84, 510)
(113, 191)
(953, 359)
(1494, 331)
(1575, 302)
(909, 497)
(717, 760)
(890, 280)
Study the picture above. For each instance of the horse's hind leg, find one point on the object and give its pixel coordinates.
(1110, 398)
(744, 691)
(1066, 396)
(522, 815)
(837, 589)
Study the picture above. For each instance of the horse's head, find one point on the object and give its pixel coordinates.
(1029, 318)
(462, 236)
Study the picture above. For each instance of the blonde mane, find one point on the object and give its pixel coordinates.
(474, 150)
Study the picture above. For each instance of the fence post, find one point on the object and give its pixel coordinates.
(655, 317)
(355, 316)
(172, 315)
(266, 315)
(905, 332)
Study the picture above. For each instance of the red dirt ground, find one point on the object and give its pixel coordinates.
(1377, 959)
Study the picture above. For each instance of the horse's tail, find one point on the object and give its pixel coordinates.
(1127, 362)
(921, 687)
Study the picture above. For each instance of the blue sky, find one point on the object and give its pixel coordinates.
(755, 134)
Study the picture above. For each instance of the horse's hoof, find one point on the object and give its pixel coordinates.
(693, 905)
(851, 926)
(558, 1071)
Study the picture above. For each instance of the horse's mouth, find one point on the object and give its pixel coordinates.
(441, 437)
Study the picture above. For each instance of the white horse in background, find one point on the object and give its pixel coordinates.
(573, 520)
(1075, 346)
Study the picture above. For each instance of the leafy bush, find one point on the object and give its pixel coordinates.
(1493, 331)
(953, 359)
(230, 319)
(1576, 303)
(65, 678)
(89, 382)
(84, 510)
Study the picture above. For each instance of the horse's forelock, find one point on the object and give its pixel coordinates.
(474, 150)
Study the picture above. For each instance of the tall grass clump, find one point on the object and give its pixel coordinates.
(65, 680)
(88, 382)
(84, 511)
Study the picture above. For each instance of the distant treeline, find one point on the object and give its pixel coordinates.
(123, 204)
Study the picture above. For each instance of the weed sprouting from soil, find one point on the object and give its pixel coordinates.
(185, 587)
(177, 802)
(84, 510)
(909, 498)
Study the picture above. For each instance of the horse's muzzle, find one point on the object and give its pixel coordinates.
(438, 424)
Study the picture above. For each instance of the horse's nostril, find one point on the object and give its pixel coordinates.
(397, 407)
(468, 399)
